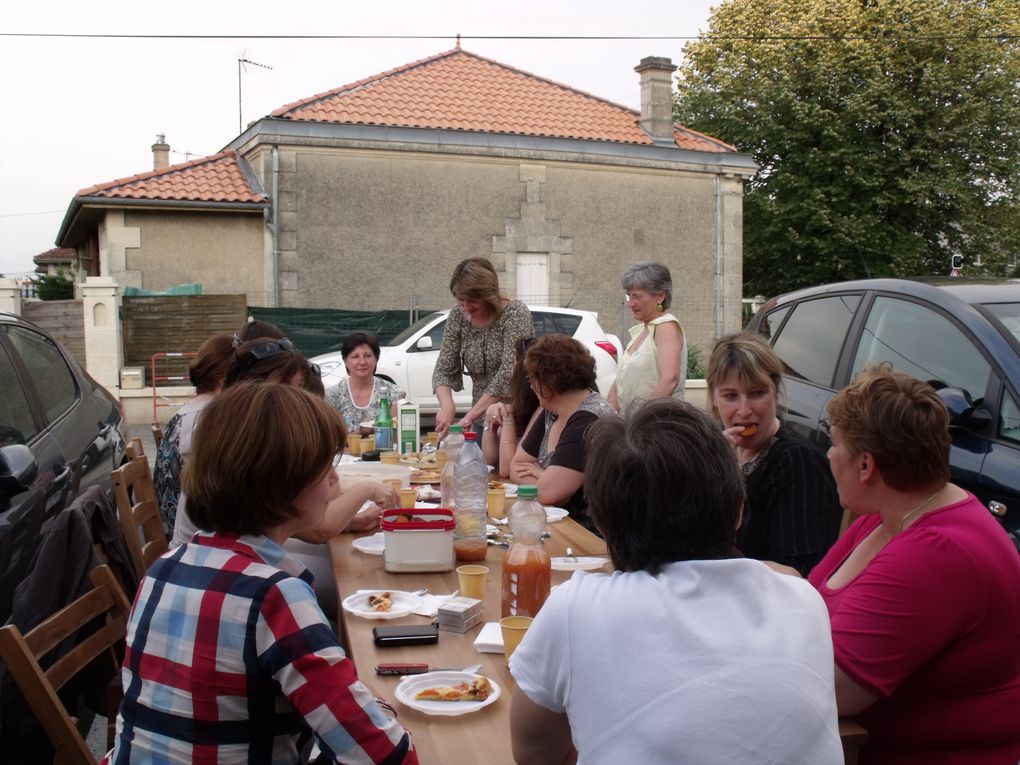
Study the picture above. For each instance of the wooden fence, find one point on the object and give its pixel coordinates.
(63, 319)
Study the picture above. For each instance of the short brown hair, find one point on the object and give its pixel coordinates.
(750, 356)
(210, 366)
(667, 487)
(279, 363)
(476, 279)
(900, 421)
(256, 447)
(560, 364)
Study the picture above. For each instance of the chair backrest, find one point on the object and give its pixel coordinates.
(157, 434)
(22, 655)
(139, 513)
(135, 449)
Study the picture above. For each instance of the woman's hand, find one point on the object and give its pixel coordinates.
(382, 494)
(495, 415)
(367, 519)
(733, 434)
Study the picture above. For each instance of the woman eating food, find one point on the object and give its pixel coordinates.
(921, 589)
(792, 513)
(357, 396)
(479, 337)
(228, 657)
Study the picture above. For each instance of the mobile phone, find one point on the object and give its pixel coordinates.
(401, 669)
(408, 634)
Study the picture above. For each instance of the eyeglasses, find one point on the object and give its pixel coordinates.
(284, 342)
(315, 369)
(265, 350)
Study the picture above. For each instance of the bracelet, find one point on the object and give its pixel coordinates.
(508, 443)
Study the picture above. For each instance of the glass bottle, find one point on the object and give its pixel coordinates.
(527, 570)
(384, 426)
(451, 445)
(470, 480)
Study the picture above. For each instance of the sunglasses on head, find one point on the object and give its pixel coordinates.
(265, 350)
(284, 342)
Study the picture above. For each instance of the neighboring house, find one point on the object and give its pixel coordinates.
(372, 192)
(56, 260)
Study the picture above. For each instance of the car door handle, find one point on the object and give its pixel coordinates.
(61, 478)
(104, 430)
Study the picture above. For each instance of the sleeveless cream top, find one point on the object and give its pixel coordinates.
(638, 372)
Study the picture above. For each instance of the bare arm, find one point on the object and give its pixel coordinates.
(669, 343)
(447, 410)
(539, 736)
(478, 410)
(613, 398)
(342, 509)
(850, 697)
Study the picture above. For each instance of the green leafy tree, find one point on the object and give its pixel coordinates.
(887, 133)
(58, 286)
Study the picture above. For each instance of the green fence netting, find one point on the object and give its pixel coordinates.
(322, 330)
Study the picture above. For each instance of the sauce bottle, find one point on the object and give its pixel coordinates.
(527, 570)
(470, 479)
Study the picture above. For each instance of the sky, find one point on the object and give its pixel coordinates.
(75, 112)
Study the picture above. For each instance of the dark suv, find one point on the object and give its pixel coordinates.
(962, 337)
(60, 432)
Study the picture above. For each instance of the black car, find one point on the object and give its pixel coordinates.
(60, 432)
(962, 337)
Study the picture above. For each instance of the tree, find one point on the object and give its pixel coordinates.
(58, 286)
(887, 133)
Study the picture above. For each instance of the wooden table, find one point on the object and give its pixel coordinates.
(482, 736)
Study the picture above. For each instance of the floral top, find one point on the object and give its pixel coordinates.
(167, 475)
(486, 354)
(339, 396)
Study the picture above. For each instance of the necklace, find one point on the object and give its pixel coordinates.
(924, 504)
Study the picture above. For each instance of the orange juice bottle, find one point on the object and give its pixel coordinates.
(526, 567)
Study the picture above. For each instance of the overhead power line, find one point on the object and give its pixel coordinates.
(753, 37)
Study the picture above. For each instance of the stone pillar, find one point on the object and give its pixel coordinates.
(103, 351)
(10, 297)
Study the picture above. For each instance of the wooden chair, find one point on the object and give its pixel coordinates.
(22, 654)
(139, 513)
(135, 449)
(157, 434)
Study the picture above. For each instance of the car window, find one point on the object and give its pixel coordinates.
(53, 379)
(923, 343)
(436, 333)
(17, 425)
(1009, 315)
(555, 323)
(812, 337)
(772, 322)
(406, 333)
(1009, 419)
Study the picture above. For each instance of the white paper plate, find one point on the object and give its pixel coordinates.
(553, 514)
(404, 603)
(581, 564)
(414, 684)
(373, 545)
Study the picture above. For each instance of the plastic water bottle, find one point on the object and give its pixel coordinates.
(527, 570)
(451, 446)
(384, 426)
(470, 478)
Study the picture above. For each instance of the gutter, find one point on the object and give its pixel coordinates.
(718, 258)
(274, 228)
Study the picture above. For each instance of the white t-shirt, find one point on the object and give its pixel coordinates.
(721, 661)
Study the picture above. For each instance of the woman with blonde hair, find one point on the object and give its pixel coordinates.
(480, 336)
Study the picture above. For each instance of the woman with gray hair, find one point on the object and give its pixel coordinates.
(654, 363)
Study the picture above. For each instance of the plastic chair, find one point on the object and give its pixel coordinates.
(139, 513)
(22, 655)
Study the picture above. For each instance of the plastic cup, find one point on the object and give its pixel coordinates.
(367, 443)
(441, 458)
(396, 483)
(513, 629)
(472, 581)
(407, 496)
(354, 444)
(389, 458)
(496, 501)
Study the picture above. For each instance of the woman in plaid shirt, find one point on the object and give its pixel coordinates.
(229, 658)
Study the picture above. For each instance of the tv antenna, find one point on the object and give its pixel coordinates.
(241, 61)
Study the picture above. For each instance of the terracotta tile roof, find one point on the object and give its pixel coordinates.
(217, 178)
(56, 256)
(458, 90)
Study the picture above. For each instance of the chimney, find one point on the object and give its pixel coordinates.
(160, 153)
(657, 98)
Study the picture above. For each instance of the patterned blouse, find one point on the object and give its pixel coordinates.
(339, 396)
(486, 354)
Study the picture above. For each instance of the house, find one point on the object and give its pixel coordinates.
(55, 260)
(366, 196)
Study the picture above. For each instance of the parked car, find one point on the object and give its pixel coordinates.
(60, 433)
(962, 337)
(411, 356)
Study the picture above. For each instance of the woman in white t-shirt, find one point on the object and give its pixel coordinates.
(687, 652)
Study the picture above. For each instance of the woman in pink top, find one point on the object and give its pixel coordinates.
(921, 590)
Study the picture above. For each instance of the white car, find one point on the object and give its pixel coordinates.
(409, 361)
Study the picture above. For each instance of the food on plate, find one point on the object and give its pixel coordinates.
(381, 601)
(496, 485)
(426, 492)
(478, 690)
(425, 476)
(749, 430)
(419, 458)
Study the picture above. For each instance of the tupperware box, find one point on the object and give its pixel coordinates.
(422, 543)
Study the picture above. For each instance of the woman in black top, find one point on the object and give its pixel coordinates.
(792, 512)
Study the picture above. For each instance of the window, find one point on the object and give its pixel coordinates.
(50, 374)
(555, 323)
(436, 333)
(16, 423)
(923, 343)
(772, 322)
(1009, 419)
(812, 337)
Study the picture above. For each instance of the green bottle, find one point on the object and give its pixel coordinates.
(384, 426)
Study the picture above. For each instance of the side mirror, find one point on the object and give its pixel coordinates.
(18, 468)
(963, 411)
(424, 343)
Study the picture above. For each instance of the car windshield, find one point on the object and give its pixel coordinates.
(414, 328)
(1009, 315)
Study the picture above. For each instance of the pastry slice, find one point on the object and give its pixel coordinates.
(381, 601)
(478, 690)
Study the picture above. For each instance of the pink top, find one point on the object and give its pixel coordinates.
(932, 627)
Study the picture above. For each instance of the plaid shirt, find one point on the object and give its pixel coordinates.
(229, 659)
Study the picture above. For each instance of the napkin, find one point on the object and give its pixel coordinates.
(490, 639)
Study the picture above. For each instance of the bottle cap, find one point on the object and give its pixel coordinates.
(527, 492)
(470, 435)
(456, 429)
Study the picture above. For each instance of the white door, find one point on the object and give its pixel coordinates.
(533, 278)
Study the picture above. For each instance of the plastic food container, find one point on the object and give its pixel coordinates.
(423, 543)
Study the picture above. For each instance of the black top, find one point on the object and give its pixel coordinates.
(792, 513)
